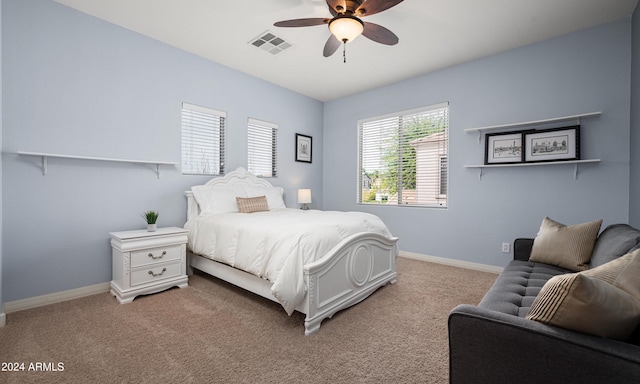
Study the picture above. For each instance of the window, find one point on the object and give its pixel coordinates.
(262, 148)
(403, 158)
(203, 137)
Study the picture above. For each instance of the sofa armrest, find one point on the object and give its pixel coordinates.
(491, 347)
(522, 249)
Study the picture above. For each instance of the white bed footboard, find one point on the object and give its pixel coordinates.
(346, 275)
(350, 272)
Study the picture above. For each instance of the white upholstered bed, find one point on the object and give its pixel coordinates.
(315, 262)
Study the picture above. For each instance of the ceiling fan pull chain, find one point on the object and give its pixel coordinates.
(344, 51)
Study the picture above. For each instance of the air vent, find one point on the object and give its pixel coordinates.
(271, 43)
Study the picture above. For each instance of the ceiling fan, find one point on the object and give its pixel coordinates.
(346, 24)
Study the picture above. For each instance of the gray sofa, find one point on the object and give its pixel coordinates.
(494, 342)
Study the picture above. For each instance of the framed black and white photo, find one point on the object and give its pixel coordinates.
(503, 148)
(557, 144)
(303, 148)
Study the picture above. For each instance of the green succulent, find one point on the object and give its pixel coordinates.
(150, 216)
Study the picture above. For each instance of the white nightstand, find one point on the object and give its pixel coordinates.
(148, 262)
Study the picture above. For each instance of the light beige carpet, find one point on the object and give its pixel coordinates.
(212, 332)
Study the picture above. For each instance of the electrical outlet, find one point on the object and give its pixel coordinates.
(505, 247)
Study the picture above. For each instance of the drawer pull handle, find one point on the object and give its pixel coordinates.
(158, 274)
(157, 257)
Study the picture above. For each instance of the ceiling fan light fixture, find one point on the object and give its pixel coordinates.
(346, 28)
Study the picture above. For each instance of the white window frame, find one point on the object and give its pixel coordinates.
(203, 140)
(262, 148)
(426, 163)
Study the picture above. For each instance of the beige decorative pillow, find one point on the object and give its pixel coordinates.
(610, 271)
(629, 279)
(566, 246)
(586, 304)
(252, 204)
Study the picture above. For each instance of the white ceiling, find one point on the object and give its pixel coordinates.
(433, 34)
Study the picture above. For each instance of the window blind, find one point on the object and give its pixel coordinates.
(403, 158)
(262, 145)
(203, 138)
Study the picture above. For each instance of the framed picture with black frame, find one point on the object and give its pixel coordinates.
(556, 144)
(503, 148)
(303, 148)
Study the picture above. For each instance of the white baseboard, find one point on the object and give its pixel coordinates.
(3, 319)
(38, 301)
(452, 262)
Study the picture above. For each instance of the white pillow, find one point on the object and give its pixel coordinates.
(273, 194)
(213, 200)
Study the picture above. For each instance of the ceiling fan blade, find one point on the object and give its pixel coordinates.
(302, 22)
(379, 34)
(371, 7)
(337, 6)
(331, 46)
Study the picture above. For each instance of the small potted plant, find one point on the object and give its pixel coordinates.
(151, 217)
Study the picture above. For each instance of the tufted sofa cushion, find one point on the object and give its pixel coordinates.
(517, 286)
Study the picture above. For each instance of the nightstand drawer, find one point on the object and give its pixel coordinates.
(155, 255)
(155, 273)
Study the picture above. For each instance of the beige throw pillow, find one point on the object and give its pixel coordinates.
(601, 305)
(586, 304)
(629, 278)
(252, 204)
(566, 246)
(610, 271)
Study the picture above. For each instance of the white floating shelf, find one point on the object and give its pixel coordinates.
(575, 162)
(45, 157)
(535, 122)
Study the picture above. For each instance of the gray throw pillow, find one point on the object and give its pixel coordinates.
(615, 241)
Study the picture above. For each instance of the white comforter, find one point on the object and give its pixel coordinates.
(275, 245)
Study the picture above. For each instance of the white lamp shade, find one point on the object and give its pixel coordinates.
(304, 196)
(346, 28)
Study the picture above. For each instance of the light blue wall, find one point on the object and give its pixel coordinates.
(634, 191)
(76, 85)
(577, 73)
